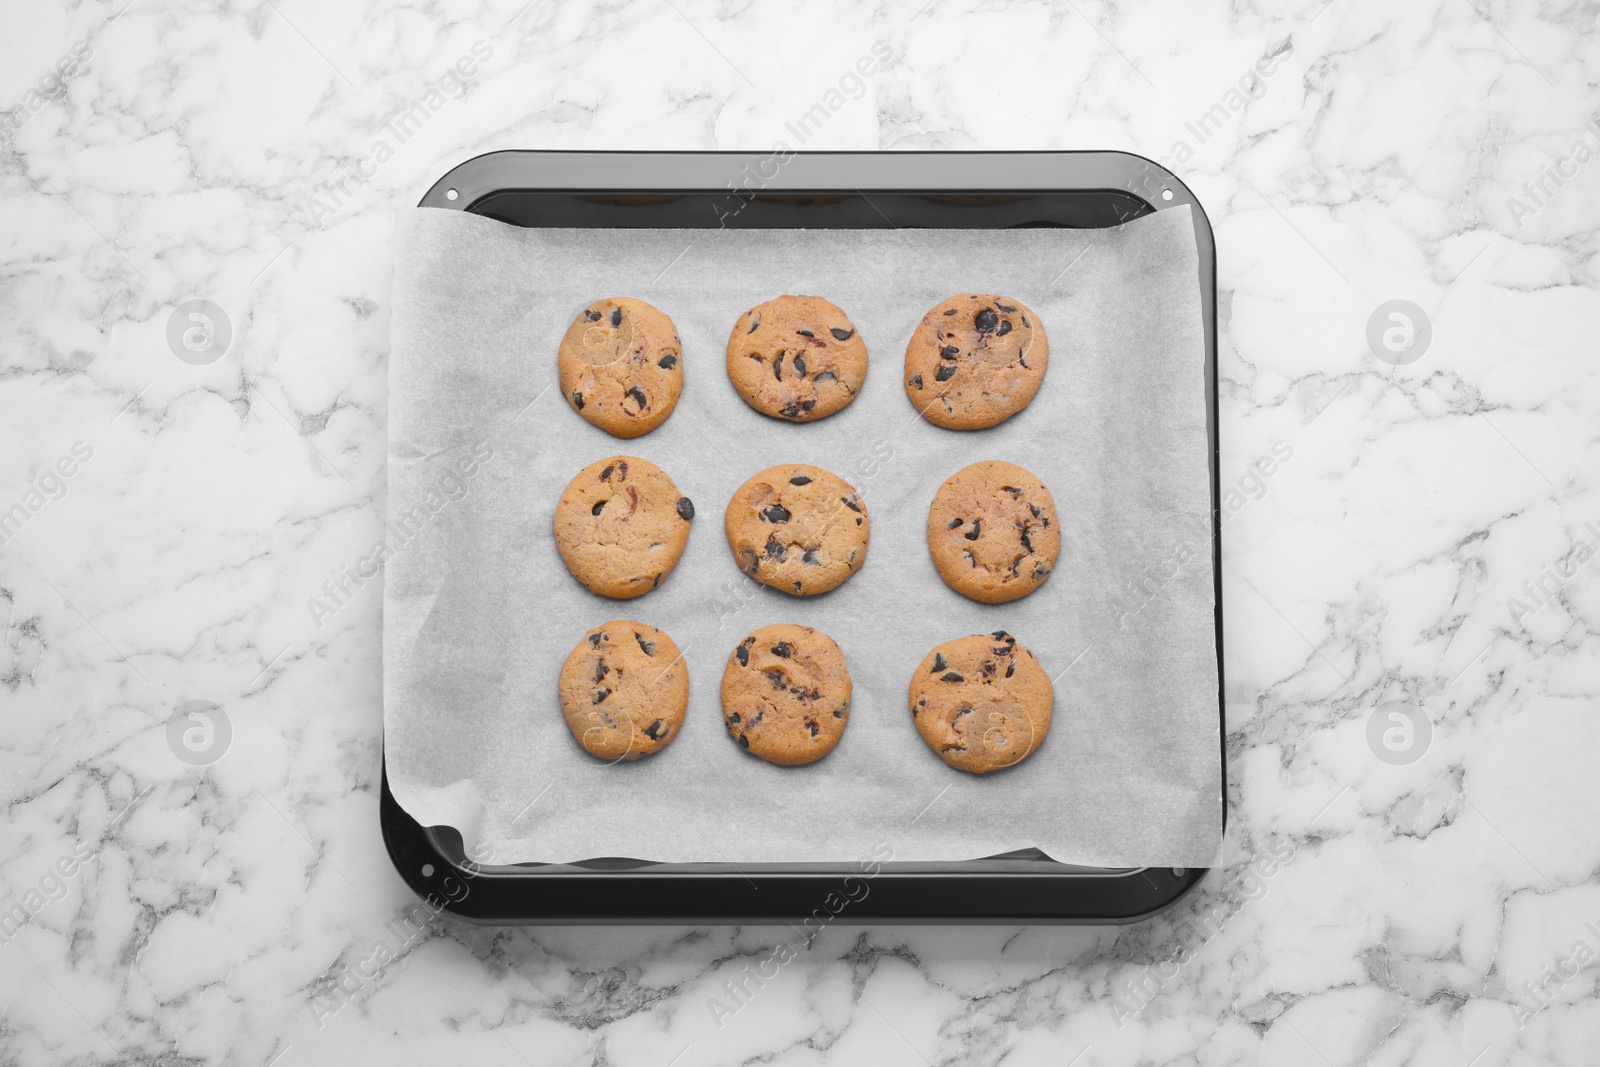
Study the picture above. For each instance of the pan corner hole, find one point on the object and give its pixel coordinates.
(427, 870)
(451, 194)
(1166, 194)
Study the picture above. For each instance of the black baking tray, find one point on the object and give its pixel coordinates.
(840, 190)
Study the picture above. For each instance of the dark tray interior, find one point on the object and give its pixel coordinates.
(816, 190)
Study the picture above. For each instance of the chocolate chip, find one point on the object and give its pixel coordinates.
(1001, 635)
(592, 315)
(945, 372)
(775, 676)
(812, 726)
(951, 676)
(811, 558)
(782, 650)
(1027, 545)
(622, 470)
(600, 696)
(955, 523)
(600, 670)
(916, 381)
(742, 654)
(668, 361)
(685, 508)
(605, 473)
(952, 311)
(598, 506)
(797, 587)
(616, 317)
(949, 352)
(744, 741)
(1011, 668)
(775, 513)
(939, 663)
(773, 549)
(734, 720)
(595, 639)
(649, 647)
(841, 335)
(1004, 307)
(654, 731)
(1024, 320)
(800, 479)
(977, 528)
(747, 560)
(755, 320)
(800, 366)
(805, 333)
(577, 400)
(777, 367)
(1013, 490)
(1005, 328)
(858, 522)
(1040, 571)
(1034, 508)
(838, 713)
(986, 320)
(798, 408)
(851, 502)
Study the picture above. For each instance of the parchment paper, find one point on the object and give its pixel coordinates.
(480, 613)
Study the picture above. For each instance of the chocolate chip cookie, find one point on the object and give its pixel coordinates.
(981, 702)
(621, 366)
(798, 528)
(786, 694)
(975, 361)
(797, 358)
(624, 690)
(993, 532)
(621, 526)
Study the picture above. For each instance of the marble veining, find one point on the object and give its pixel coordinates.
(1401, 534)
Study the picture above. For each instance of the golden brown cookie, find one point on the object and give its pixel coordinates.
(981, 702)
(798, 528)
(975, 361)
(621, 525)
(797, 358)
(621, 366)
(786, 694)
(993, 532)
(624, 690)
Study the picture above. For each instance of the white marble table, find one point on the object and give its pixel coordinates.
(1427, 540)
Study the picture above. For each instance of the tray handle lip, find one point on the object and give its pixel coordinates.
(473, 896)
(482, 175)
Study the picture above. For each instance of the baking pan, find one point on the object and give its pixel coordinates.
(838, 190)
